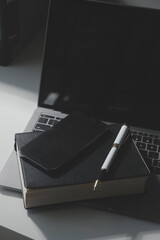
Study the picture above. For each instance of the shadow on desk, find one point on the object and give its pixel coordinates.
(6, 234)
(71, 221)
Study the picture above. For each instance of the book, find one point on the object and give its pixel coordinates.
(127, 175)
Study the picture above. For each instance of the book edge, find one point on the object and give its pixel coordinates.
(46, 196)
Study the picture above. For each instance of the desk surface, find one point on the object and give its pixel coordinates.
(19, 85)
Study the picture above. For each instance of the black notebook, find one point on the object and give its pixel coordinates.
(128, 173)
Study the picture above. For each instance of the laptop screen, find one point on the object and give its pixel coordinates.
(103, 57)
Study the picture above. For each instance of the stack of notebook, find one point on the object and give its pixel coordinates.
(62, 163)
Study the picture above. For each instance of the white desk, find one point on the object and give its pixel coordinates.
(19, 84)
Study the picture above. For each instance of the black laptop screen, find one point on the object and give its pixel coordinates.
(105, 58)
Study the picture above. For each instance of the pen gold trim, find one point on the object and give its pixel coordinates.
(112, 153)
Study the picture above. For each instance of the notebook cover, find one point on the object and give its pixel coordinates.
(127, 164)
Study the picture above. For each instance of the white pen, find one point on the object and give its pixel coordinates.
(112, 153)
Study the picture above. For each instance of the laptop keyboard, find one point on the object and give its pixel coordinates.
(45, 122)
(148, 144)
(149, 147)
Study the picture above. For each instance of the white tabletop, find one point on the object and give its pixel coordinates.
(19, 85)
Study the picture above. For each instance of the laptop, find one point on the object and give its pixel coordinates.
(101, 57)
